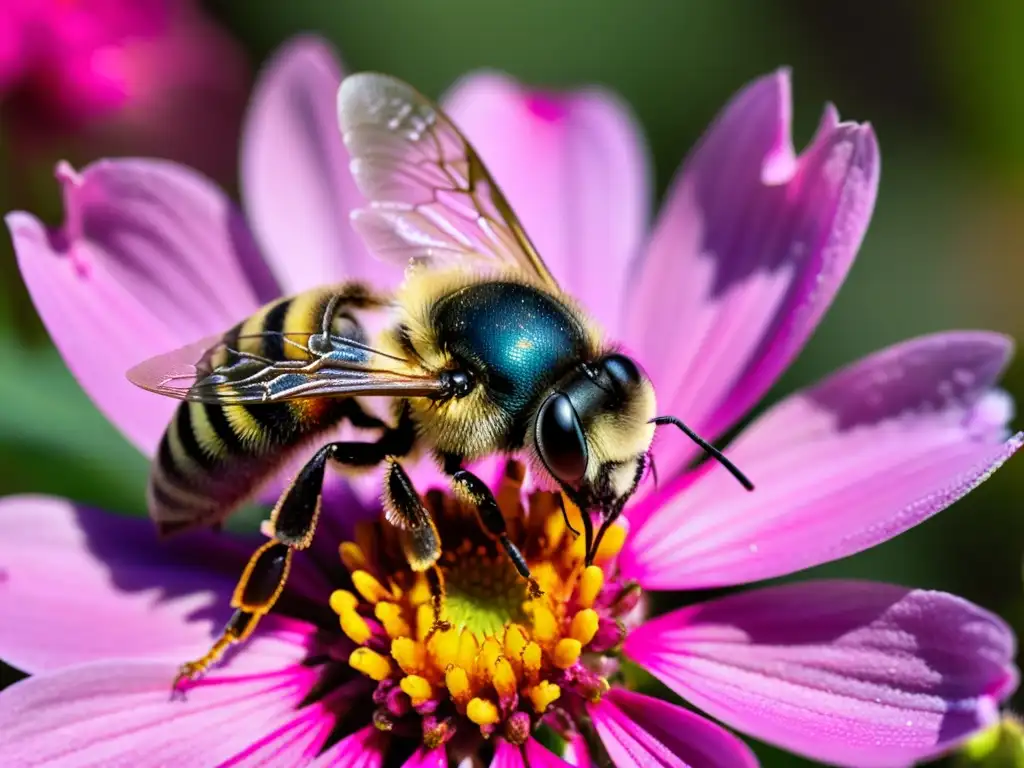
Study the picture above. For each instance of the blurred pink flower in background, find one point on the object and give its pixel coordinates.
(749, 250)
(121, 76)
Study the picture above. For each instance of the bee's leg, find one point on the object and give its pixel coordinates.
(475, 490)
(292, 525)
(418, 534)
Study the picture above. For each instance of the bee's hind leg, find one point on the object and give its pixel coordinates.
(473, 489)
(292, 525)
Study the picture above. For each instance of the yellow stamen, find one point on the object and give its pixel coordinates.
(543, 695)
(489, 653)
(468, 649)
(567, 652)
(352, 557)
(409, 654)
(367, 586)
(424, 621)
(532, 659)
(417, 688)
(611, 544)
(419, 593)
(545, 628)
(584, 625)
(590, 585)
(353, 625)
(342, 600)
(554, 531)
(504, 678)
(370, 663)
(457, 682)
(444, 647)
(482, 712)
(515, 642)
(390, 617)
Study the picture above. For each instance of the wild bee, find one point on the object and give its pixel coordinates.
(480, 353)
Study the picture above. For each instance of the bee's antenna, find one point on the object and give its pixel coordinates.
(708, 448)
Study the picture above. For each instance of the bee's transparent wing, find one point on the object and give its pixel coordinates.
(431, 198)
(216, 370)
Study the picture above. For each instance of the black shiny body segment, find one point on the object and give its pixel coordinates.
(515, 339)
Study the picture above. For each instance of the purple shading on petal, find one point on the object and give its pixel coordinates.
(530, 755)
(119, 712)
(847, 464)
(640, 731)
(363, 749)
(82, 585)
(151, 257)
(852, 673)
(296, 183)
(575, 170)
(427, 758)
(747, 255)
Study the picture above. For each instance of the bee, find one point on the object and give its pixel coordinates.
(478, 351)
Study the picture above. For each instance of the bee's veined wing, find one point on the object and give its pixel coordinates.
(216, 371)
(431, 198)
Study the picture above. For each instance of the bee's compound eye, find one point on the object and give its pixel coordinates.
(622, 371)
(560, 441)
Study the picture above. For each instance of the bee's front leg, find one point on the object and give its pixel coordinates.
(474, 490)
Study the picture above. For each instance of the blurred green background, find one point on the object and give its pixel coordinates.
(943, 83)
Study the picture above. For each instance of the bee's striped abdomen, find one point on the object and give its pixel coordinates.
(213, 457)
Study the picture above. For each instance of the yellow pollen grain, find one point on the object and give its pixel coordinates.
(468, 649)
(567, 652)
(342, 600)
(611, 544)
(591, 582)
(515, 642)
(545, 628)
(409, 654)
(390, 617)
(533, 657)
(353, 625)
(424, 621)
(367, 586)
(543, 695)
(504, 678)
(370, 663)
(444, 648)
(352, 556)
(482, 712)
(457, 682)
(584, 625)
(417, 688)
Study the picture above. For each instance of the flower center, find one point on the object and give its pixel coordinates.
(504, 660)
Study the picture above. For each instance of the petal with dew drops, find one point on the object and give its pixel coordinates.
(363, 749)
(642, 732)
(575, 170)
(296, 184)
(80, 585)
(842, 466)
(847, 672)
(746, 256)
(120, 712)
(151, 256)
(427, 758)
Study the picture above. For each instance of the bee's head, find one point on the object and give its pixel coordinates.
(593, 432)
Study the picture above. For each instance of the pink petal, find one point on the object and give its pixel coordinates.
(849, 463)
(747, 255)
(852, 673)
(575, 170)
(121, 713)
(640, 731)
(296, 185)
(363, 749)
(424, 758)
(531, 755)
(78, 585)
(151, 257)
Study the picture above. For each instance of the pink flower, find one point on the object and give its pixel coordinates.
(126, 75)
(748, 252)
